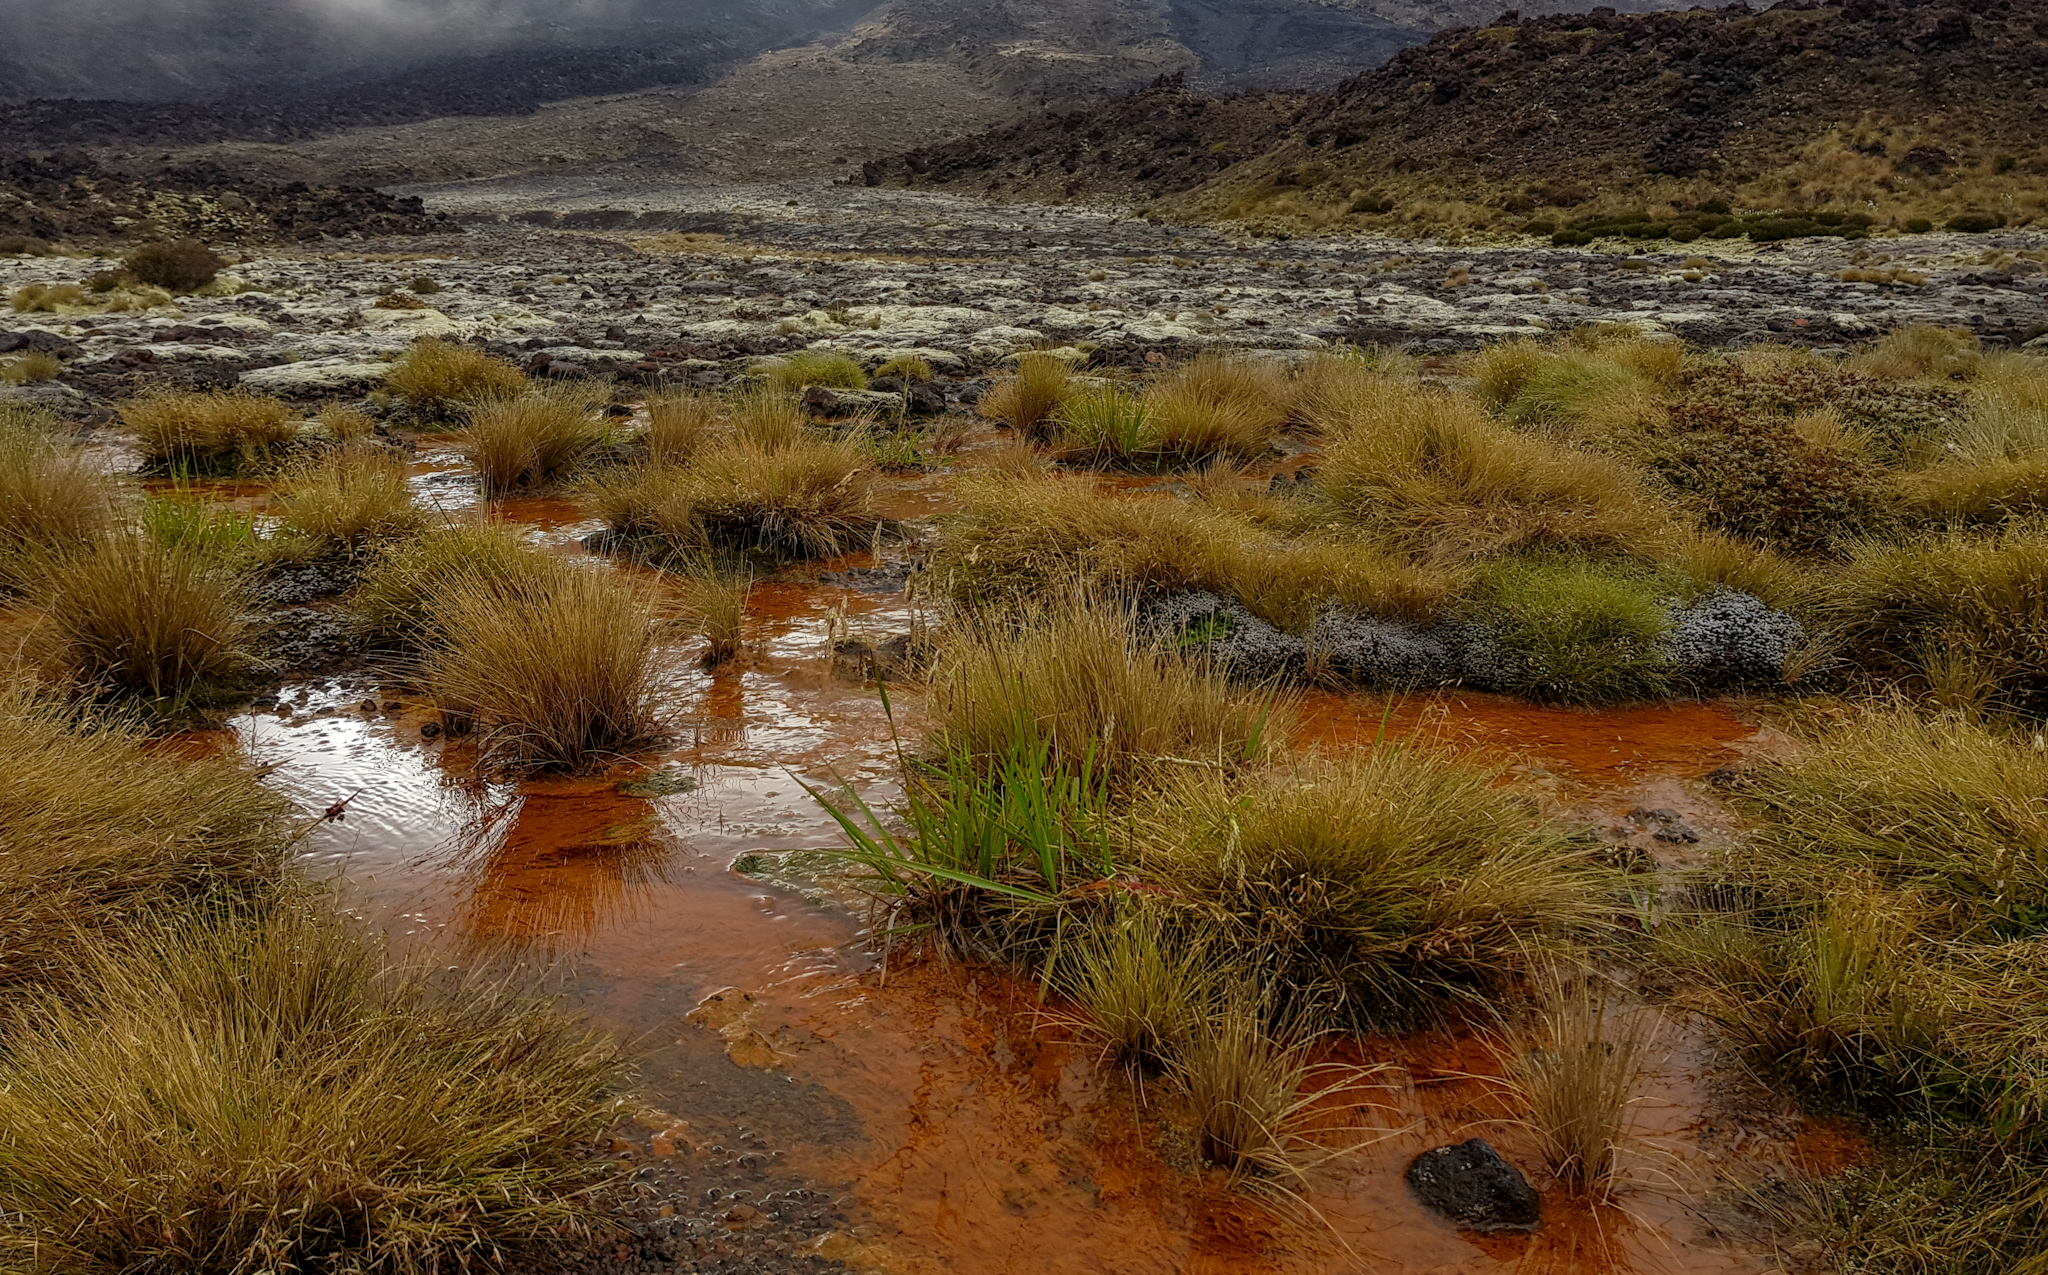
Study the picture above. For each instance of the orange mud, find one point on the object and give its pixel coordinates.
(972, 1132)
(1602, 746)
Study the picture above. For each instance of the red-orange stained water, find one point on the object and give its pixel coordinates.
(1603, 745)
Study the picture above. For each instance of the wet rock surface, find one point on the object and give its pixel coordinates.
(1471, 1185)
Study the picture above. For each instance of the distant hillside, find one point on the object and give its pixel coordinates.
(1891, 108)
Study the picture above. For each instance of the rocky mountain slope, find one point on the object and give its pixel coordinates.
(1894, 107)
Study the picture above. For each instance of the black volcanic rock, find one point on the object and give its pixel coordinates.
(1471, 1185)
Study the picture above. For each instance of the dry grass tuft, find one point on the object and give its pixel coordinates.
(1374, 885)
(1579, 1081)
(97, 828)
(1920, 352)
(1431, 473)
(1143, 988)
(1017, 538)
(715, 599)
(267, 1093)
(678, 423)
(1079, 677)
(1029, 399)
(531, 441)
(346, 423)
(438, 376)
(126, 613)
(561, 675)
(349, 500)
(1217, 405)
(811, 496)
(395, 600)
(31, 368)
(815, 367)
(209, 432)
(52, 498)
(909, 367)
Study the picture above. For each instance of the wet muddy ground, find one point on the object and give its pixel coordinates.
(810, 1100)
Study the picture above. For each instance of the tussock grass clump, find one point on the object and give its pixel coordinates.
(808, 496)
(715, 599)
(1570, 633)
(126, 613)
(559, 676)
(395, 601)
(31, 368)
(1215, 405)
(269, 1094)
(46, 298)
(1579, 1081)
(678, 423)
(1499, 371)
(767, 419)
(348, 500)
(1939, 804)
(530, 441)
(97, 828)
(437, 376)
(1379, 882)
(1144, 987)
(1028, 399)
(1987, 491)
(908, 367)
(1428, 471)
(816, 367)
(1984, 594)
(209, 432)
(2008, 409)
(1020, 538)
(52, 498)
(1080, 678)
(345, 423)
(1920, 351)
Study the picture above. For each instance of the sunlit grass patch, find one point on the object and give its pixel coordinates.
(267, 1092)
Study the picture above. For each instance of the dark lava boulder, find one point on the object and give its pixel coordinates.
(1472, 1186)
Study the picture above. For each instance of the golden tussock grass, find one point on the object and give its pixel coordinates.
(1429, 472)
(815, 367)
(438, 375)
(395, 599)
(98, 828)
(266, 1092)
(1920, 352)
(1029, 398)
(347, 500)
(346, 423)
(530, 441)
(128, 614)
(678, 422)
(52, 497)
(714, 597)
(31, 368)
(1143, 988)
(1078, 675)
(1579, 1080)
(559, 675)
(1216, 404)
(1022, 537)
(812, 496)
(215, 431)
(1372, 885)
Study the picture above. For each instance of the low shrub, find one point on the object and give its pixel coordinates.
(530, 441)
(23, 246)
(441, 378)
(218, 431)
(1370, 886)
(127, 614)
(177, 266)
(561, 675)
(267, 1093)
(98, 827)
(1568, 633)
(346, 501)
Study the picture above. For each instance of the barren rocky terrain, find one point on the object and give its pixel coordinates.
(671, 281)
